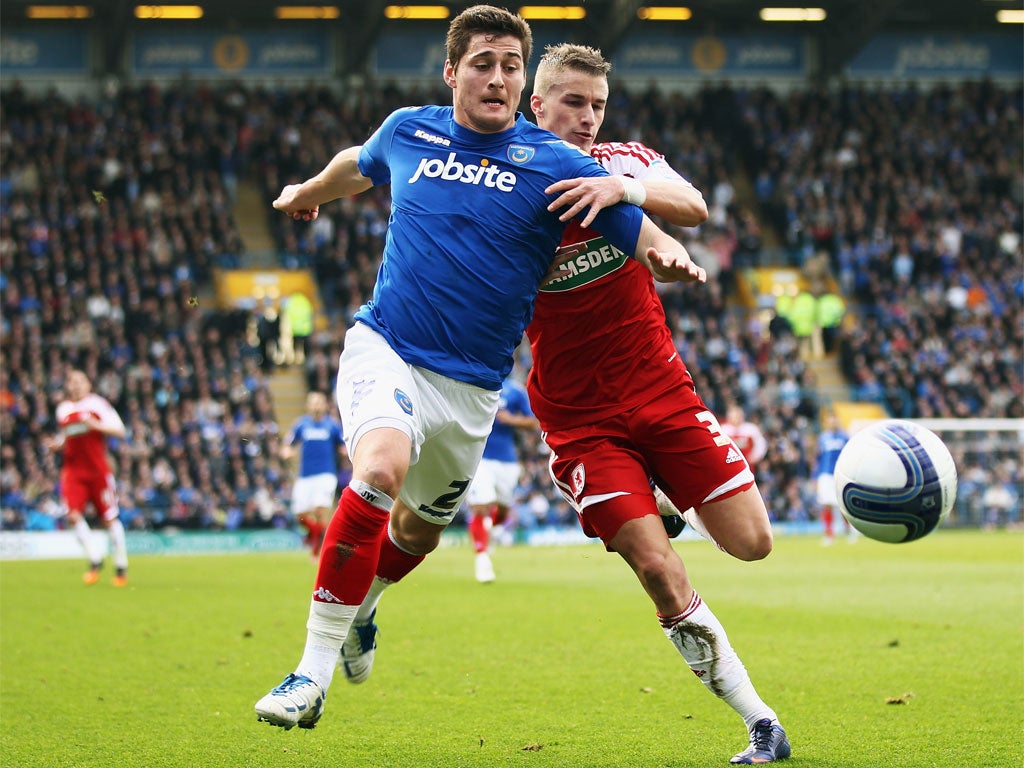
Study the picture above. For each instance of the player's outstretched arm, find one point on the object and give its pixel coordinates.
(676, 201)
(340, 178)
(666, 257)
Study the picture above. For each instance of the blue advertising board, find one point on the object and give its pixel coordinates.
(671, 54)
(305, 51)
(44, 52)
(940, 56)
(421, 52)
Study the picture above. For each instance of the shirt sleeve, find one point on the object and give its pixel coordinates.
(109, 417)
(636, 160)
(620, 223)
(374, 157)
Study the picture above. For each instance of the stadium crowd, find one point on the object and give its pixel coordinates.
(115, 211)
(113, 215)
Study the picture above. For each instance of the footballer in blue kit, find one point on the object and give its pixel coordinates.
(313, 493)
(831, 442)
(468, 242)
(493, 488)
(470, 239)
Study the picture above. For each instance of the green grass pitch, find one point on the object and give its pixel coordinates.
(874, 655)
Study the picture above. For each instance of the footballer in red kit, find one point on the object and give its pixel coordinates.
(86, 421)
(746, 434)
(605, 317)
(619, 409)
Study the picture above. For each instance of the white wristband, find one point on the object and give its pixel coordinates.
(633, 191)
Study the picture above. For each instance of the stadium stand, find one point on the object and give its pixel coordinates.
(917, 208)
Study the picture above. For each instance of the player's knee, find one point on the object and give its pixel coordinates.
(754, 544)
(384, 477)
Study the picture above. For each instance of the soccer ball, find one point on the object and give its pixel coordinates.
(896, 481)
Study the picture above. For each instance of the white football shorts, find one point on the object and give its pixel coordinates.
(314, 492)
(447, 420)
(827, 491)
(495, 483)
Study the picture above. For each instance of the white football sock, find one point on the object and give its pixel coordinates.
(84, 536)
(327, 627)
(369, 604)
(118, 545)
(701, 640)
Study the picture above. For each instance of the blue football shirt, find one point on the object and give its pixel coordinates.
(830, 445)
(320, 442)
(470, 237)
(501, 443)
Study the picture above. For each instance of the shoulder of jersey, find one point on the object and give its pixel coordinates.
(554, 143)
(608, 149)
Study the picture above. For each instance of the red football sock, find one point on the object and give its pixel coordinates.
(394, 563)
(350, 550)
(826, 518)
(477, 528)
(316, 536)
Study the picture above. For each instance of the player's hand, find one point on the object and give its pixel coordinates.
(597, 192)
(91, 423)
(674, 267)
(286, 204)
(562, 255)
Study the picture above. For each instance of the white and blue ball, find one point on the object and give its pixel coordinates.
(896, 481)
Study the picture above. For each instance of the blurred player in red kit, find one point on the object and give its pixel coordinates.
(86, 421)
(746, 434)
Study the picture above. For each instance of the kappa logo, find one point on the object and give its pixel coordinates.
(733, 456)
(484, 174)
(324, 596)
(432, 139)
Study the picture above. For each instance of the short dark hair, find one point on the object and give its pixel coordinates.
(489, 20)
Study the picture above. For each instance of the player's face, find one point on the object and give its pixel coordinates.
(487, 83)
(316, 404)
(573, 108)
(78, 385)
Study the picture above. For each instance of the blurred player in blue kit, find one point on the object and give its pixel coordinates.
(469, 242)
(493, 488)
(831, 442)
(313, 494)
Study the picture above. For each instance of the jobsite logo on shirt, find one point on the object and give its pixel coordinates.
(485, 174)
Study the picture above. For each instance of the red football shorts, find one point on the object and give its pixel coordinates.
(604, 470)
(79, 490)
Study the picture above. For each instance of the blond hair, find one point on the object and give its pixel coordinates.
(558, 58)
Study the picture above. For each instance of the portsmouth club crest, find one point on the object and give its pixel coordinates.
(578, 479)
(519, 154)
(404, 401)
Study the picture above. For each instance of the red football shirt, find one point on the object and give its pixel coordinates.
(85, 450)
(599, 339)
